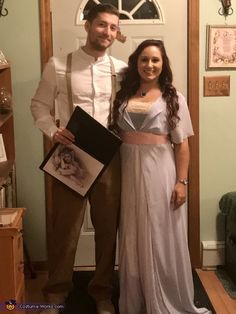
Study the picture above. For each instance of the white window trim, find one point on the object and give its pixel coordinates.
(130, 21)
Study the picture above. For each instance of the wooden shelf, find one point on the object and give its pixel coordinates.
(7, 168)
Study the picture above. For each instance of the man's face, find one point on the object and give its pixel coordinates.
(67, 158)
(102, 31)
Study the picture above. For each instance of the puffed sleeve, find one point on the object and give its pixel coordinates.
(184, 127)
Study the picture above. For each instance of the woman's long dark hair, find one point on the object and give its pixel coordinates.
(131, 83)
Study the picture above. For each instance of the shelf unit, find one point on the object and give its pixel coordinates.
(12, 283)
(7, 168)
(11, 233)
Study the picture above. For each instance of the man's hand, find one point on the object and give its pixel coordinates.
(63, 136)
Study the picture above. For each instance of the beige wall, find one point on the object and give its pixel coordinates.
(19, 40)
(217, 132)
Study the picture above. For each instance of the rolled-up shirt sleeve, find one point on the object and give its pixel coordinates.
(42, 104)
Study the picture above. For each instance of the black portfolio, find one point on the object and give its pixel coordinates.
(78, 165)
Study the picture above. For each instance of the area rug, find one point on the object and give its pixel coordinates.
(79, 302)
(228, 284)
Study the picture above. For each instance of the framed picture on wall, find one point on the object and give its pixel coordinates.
(221, 47)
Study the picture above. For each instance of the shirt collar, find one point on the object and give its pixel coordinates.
(82, 54)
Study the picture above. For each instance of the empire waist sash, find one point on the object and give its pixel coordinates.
(144, 138)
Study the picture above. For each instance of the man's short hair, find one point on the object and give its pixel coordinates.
(101, 8)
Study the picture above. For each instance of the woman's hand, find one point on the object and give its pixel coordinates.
(63, 136)
(179, 195)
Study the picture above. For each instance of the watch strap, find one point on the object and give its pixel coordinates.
(183, 181)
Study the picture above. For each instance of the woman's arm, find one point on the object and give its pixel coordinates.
(181, 152)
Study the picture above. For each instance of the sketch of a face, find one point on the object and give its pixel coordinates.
(67, 158)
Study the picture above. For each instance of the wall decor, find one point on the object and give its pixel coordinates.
(221, 47)
(226, 8)
(3, 11)
(217, 85)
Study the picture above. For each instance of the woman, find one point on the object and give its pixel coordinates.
(153, 121)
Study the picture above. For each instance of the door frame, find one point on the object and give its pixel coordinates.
(193, 102)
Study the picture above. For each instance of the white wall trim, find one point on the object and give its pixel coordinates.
(213, 254)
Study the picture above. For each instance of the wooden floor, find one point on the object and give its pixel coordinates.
(220, 300)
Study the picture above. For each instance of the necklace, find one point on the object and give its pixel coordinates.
(143, 94)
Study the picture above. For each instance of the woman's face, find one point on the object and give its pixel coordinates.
(150, 64)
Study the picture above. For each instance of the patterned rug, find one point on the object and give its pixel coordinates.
(228, 284)
(79, 302)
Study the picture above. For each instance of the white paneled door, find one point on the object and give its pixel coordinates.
(140, 19)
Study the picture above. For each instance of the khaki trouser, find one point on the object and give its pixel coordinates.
(64, 223)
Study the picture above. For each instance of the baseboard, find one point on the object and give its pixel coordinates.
(213, 254)
(84, 268)
(43, 266)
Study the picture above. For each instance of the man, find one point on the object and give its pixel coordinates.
(91, 89)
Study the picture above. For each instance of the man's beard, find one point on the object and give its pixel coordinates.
(97, 46)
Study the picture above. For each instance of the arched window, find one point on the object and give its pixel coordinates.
(131, 11)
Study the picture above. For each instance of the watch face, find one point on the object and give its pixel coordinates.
(185, 182)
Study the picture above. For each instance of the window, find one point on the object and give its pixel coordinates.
(131, 12)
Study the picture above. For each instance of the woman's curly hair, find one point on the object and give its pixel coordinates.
(131, 83)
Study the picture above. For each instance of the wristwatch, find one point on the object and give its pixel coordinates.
(183, 181)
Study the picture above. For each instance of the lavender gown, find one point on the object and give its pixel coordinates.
(154, 264)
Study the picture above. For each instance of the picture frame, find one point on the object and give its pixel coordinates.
(3, 156)
(221, 47)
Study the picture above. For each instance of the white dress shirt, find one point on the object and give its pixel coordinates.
(91, 89)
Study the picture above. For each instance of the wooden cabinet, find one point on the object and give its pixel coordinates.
(12, 285)
(7, 172)
(12, 260)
